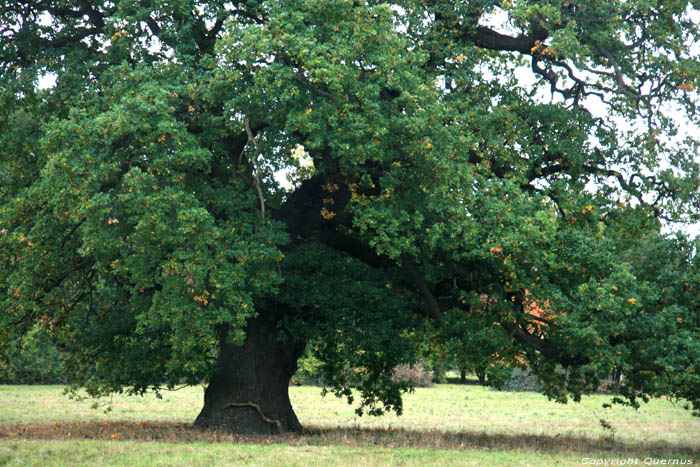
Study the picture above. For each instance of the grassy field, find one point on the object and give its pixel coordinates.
(444, 425)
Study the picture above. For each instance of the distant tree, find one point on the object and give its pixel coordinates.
(34, 359)
(142, 224)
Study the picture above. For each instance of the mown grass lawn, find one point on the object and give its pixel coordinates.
(443, 425)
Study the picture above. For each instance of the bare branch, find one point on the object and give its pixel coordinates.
(256, 174)
(619, 78)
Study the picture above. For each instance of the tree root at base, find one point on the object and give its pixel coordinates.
(260, 412)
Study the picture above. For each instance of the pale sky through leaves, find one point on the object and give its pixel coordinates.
(498, 21)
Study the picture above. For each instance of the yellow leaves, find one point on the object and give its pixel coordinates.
(540, 48)
(385, 194)
(631, 301)
(679, 320)
(495, 250)
(587, 209)
(200, 299)
(302, 157)
(114, 263)
(326, 214)
(460, 58)
(299, 152)
(161, 138)
(614, 288)
(328, 201)
(308, 111)
(537, 47)
(330, 188)
(686, 87)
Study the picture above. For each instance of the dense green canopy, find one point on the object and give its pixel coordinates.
(497, 175)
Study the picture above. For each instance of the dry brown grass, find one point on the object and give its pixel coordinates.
(174, 432)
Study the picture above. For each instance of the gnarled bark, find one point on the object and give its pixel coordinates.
(250, 394)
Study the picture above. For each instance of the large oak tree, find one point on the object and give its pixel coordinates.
(471, 162)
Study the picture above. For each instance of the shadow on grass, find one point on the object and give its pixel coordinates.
(172, 432)
(466, 382)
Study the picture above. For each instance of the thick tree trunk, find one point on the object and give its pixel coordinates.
(250, 394)
(481, 375)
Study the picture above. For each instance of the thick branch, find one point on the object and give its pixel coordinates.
(431, 301)
(62, 41)
(619, 78)
(153, 25)
(95, 18)
(541, 345)
(492, 40)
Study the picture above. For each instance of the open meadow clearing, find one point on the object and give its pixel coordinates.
(443, 425)
(253, 194)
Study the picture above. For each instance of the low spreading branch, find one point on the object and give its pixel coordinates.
(430, 299)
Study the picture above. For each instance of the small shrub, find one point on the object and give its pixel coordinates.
(520, 381)
(416, 373)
